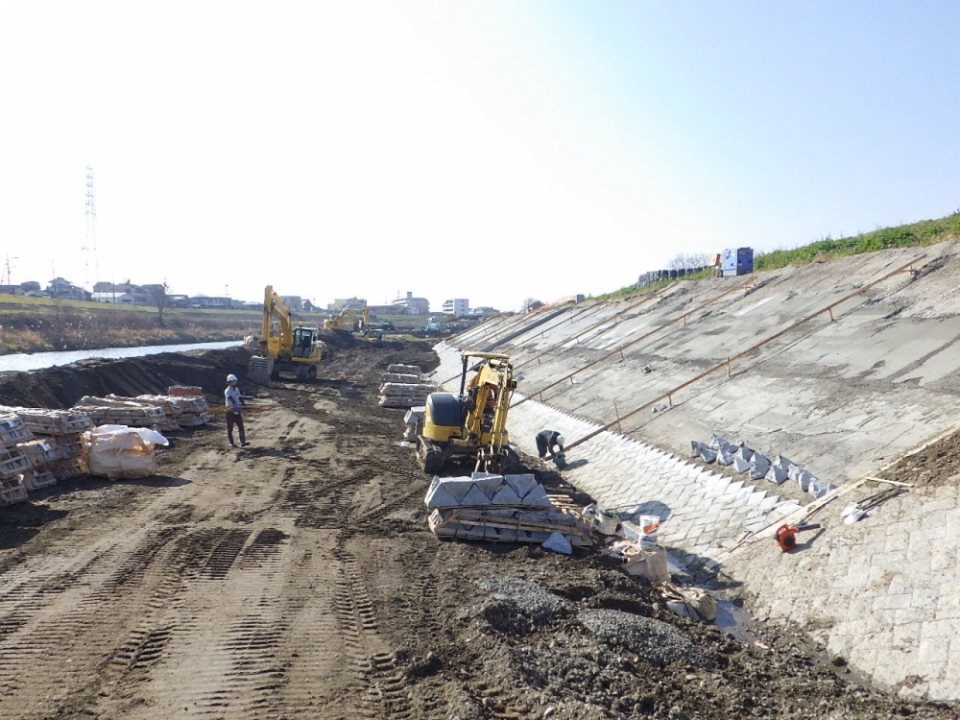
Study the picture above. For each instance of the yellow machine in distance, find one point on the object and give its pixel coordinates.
(284, 348)
(473, 424)
(349, 320)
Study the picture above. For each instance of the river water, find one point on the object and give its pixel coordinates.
(37, 361)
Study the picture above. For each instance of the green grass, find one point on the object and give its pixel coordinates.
(919, 234)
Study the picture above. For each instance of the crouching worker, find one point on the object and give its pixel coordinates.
(234, 401)
(550, 442)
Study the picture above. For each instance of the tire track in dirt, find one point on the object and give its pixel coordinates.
(66, 625)
(379, 682)
(223, 660)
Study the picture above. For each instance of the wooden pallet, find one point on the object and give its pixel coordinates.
(529, 523)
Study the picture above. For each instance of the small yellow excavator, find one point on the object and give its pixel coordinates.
(471, 425)
(282, 347)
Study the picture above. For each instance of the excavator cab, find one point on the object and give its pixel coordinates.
(303, 339)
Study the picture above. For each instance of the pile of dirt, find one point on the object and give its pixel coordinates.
(354, 608)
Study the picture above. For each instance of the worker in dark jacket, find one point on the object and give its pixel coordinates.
(547, 440)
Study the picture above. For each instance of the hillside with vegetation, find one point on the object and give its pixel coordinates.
(919, 234)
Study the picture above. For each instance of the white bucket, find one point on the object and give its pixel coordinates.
(649, 524)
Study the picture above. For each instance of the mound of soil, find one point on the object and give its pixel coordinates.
(297, 578)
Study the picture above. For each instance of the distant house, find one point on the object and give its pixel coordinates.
(411, 305)
(178, 301)
(207, 302)
(11, 290)
(138, 294)
(340, 304)
(294, 302)
(114, 298)
(62, 289)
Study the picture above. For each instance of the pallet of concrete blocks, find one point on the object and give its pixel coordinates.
(12, 490)
(502, 508)
(40, 451)
(12, 429)
(185, 391)
(13, 462)
(182, 410)
(115, 411)
(405, 395)
(41, 421)
(39, 477)
(70, 468)
(406, 369)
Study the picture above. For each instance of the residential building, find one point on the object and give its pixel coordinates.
(62, 289)
(458, 307)
(340, 304)
(207, 302)
(411, 305)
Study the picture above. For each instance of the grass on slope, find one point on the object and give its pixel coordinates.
(919, 234)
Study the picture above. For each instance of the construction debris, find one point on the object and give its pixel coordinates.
(502, 508)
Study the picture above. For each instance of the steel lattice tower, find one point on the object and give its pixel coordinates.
(91, 213)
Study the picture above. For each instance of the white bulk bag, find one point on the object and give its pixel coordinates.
(121, 452)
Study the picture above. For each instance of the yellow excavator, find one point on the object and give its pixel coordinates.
(472, 425)
(282, 347)
(349, 320)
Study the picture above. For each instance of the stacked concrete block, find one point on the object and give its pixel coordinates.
(59, 451)
(403, 386)
(501, 508)
(13, 461)
(412, 421)
(113, 410)
(181, 410)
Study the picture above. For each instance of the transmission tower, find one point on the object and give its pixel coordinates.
(91, 213)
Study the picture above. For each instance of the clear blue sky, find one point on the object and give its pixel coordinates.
(489, 150)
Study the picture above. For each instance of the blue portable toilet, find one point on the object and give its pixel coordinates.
(737, 261)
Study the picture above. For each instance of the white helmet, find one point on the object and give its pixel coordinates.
(560, 440)
(231, 378)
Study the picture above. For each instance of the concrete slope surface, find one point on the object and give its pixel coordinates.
(844, 369)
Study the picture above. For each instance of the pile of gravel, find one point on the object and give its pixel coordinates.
(530, 599)
(655, 641)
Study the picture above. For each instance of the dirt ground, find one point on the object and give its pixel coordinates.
(296, 578)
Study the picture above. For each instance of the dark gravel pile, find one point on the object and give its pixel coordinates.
(528, 599)
(656, 642)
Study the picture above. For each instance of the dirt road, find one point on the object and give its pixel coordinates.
(296, 578)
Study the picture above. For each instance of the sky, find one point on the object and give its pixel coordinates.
(494, 150)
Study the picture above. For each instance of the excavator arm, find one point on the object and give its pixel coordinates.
(274, 307)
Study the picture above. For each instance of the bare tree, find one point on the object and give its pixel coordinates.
(529, 305)
(689, 261)
(161, 299)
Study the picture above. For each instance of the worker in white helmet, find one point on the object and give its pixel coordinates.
(549, 442)
(234, 401)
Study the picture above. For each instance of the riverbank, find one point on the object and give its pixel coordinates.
(62, 326)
